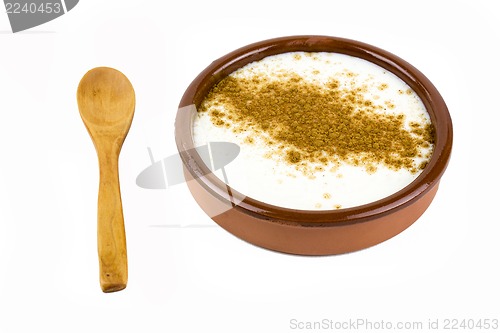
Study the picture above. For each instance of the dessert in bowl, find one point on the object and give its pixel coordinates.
(342, 144)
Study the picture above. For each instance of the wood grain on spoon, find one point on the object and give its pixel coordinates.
(106, 101)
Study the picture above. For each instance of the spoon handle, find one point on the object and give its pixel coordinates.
(111, 241)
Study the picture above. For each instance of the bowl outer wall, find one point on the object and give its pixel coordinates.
(378, 214)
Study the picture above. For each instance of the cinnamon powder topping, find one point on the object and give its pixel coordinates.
(312, 124)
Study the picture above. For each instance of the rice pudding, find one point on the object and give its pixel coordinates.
(317, 130)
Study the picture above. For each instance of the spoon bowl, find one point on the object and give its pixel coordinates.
(106, 100)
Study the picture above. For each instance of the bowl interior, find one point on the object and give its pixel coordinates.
(224, 66)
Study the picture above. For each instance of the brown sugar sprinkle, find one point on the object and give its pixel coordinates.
(317, 124)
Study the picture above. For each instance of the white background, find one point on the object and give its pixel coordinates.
(189, 275)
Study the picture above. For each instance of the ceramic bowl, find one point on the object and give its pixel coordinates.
(308, 232)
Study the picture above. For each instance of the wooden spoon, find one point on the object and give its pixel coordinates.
(106, 101)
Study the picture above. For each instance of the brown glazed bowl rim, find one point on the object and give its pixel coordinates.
(225, 65)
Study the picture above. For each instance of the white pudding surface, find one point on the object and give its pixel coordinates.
(262, 171)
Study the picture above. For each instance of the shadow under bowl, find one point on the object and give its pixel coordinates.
(309, 232)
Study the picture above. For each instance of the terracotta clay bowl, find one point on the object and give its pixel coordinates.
(310, 232)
